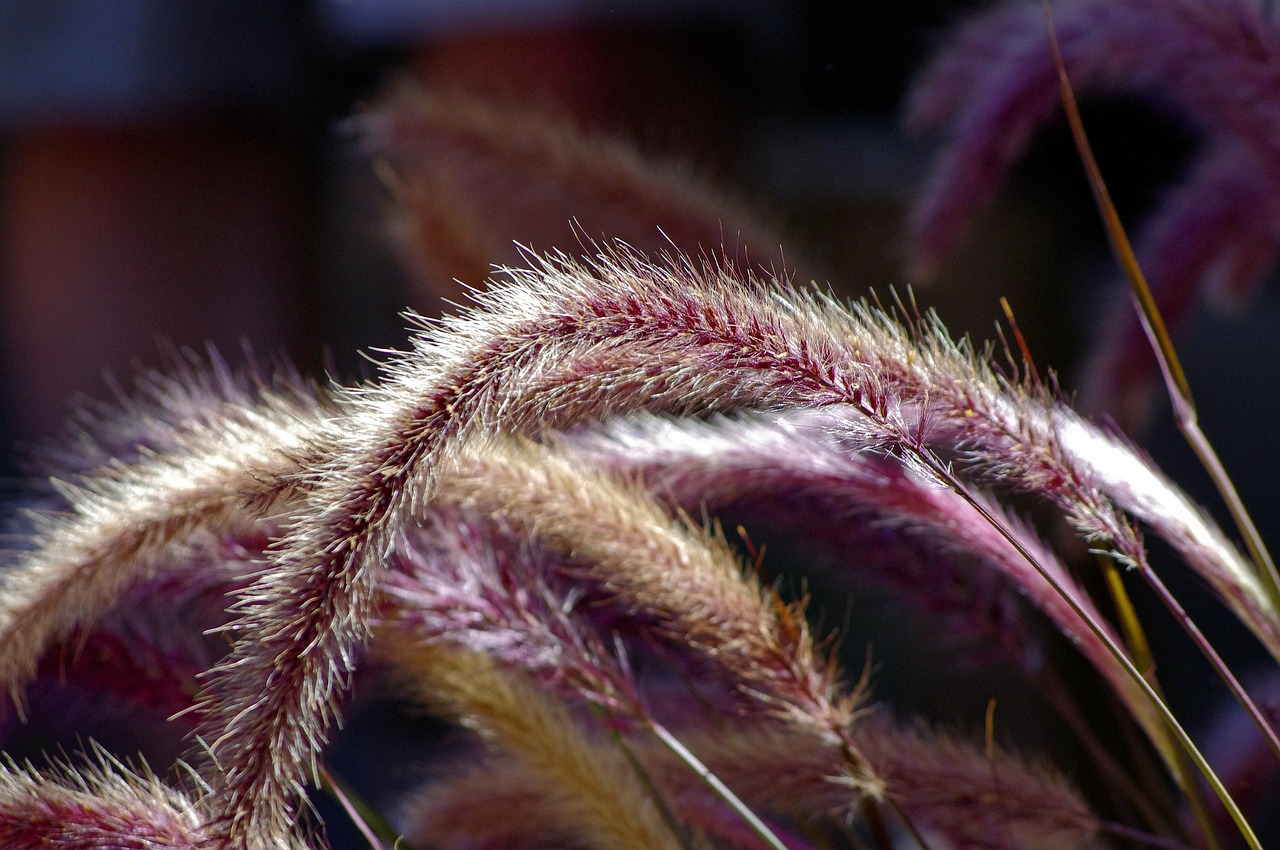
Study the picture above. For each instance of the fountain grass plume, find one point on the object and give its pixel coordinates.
(696, 463)
(195, 481)
(584, 790)
(561, 343)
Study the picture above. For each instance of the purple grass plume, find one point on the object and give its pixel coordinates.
(1213, 65)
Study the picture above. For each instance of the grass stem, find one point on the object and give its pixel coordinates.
(714, 782)
(1136, 639)
(1175, 378)
(946, 476)
(375, 830)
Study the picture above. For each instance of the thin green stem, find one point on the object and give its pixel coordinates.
(1175, 379)
(721, 790)
(371, 825)
(1214, 659)
(1136, 638)
(655, 795)
(946, 476)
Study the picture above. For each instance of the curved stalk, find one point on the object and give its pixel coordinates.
(939, 468)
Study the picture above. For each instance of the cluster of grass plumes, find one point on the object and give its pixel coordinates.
(518, 528)
(504, 513)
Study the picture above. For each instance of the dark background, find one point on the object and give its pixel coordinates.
(180, 174)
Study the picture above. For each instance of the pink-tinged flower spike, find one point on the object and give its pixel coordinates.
(562, 343)
(140, 662)
(1016, 439)
(709, 464)
(565, 342)
(1124, 474)
(490, 594)
(481, 807)
(1211, 63)
(1047, 450)
(959, 795)
(686, 579)
(162, 411)
(221, 474)
(481, 585)
(497, 806)
(475, 179)
(99, 805)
